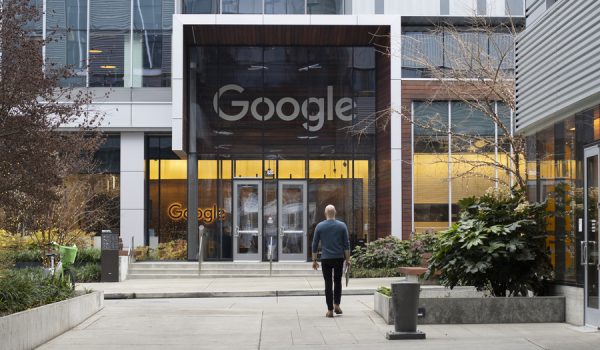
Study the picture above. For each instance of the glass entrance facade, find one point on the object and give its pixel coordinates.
(281, 132)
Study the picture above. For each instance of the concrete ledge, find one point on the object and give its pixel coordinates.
(271, 293)
(32, 328)
(480, 310)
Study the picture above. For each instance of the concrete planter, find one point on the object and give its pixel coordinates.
(480, 310)
(32, 328)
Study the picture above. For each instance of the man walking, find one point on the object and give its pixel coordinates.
(335, 248)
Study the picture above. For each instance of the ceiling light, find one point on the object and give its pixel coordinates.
(572, 129)
(95, 51)
(108, 67)
(257, 67)
(312, 66)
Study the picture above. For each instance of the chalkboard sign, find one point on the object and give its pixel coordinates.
(110, 241)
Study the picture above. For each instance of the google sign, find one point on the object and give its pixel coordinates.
(326, 107)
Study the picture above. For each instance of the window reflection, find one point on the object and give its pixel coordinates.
(284, 6)
(201, 6)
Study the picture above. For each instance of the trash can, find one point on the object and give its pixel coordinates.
(67, 254)
(109, 258)
(405, 300)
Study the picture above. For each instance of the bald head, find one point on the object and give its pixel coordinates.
(330, 212)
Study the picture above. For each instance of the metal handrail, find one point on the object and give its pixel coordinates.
(200, 245)
(131, 252)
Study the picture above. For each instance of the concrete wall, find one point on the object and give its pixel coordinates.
(132, 188)
(123, 268)
(573, 303)
(32, 328)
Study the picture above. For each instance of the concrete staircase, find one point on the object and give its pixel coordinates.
(184, 269)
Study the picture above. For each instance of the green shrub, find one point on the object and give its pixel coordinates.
(374, 273)
(88, 256)
(28, 288)
(28, 255)
(385, 291)
(392, 252)
(87, 273)
(498, 245)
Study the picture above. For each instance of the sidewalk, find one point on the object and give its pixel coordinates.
(230, 287)
(279, 323)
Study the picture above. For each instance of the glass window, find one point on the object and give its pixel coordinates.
(67, 23)
(481, 7)
(514, 8)
(430, 170)
(419, 51)
(444, 7)
(110, 38)
(325, 7)
(284, 6)
(242, 6)
(152, 43)
(201, 6)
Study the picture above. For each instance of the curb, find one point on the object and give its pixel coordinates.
(276, 293)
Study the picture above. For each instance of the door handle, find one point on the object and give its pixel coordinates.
(237, 232)
(583, 257)
(281, 229)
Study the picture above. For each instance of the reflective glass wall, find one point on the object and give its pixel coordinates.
(555, 174)
(288, 113)
(111, 43)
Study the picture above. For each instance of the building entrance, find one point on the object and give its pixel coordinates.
(590, 250)
(293, 220)
(247, 220)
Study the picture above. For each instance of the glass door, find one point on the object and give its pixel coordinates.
(247, 220)
(589, 246)
(292, 220)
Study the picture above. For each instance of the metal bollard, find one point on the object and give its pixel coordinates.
(405, 300)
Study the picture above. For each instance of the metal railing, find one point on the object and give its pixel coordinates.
(200, 245)
(131, 252)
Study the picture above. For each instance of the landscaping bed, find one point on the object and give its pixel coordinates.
(457, 309)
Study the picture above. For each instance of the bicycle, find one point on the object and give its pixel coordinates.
(66, 256)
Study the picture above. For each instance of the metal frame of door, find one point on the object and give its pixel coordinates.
(236, 230)
(282, 230)
(590, 250)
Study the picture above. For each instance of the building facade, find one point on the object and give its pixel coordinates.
(558, 109)
(259, 113)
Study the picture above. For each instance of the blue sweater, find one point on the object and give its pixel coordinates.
(333, 235)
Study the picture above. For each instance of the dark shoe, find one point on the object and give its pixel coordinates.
(338, 310)
(329, 313)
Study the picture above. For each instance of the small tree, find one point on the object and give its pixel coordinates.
(36, 157)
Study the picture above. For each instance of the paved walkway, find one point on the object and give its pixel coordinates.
(216, 287)
(291, 323)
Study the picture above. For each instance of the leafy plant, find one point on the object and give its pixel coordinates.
(28, 288)
(28, 255)
(88, 256)
(385, 291)
(374, 273)
(498, 245)
(391, 252)
(87, 273)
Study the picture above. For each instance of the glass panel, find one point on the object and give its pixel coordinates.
(514, 8)
(248, 168)
(329, 7)
(248, 210)
(430, 171)
(110, 25)
(592, 233)
(292, 218)
(242, 6)
(67, 21)
(152, 43)
(270, 225)
(284, 6)
(201, 6)
(291, 169)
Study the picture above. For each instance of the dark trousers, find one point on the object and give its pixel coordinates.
(332, 273)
